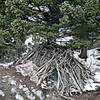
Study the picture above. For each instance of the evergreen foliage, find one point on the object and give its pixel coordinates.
(20, 18)
(83, 18)
(14, 23)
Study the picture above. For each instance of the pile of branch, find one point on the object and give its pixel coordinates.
(71, 74)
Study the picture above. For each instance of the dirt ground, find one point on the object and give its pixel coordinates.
(7, 87)
(92, 95)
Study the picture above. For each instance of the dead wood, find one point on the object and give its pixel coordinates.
(71, 74)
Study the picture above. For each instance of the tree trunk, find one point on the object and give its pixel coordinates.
(83, 53)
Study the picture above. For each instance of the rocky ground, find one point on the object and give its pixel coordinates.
(14, 86)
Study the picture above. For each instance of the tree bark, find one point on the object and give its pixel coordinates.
(83, 53)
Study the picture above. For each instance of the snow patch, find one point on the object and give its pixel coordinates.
(26, 91)
(6, 65)
(97, 76)
(94, 65)
(19, 97)
(13, 82)
(7, 76)
(44, 84)
(13, 90)
(38, 93)
(2, 93)
(29, 40)
(9, 79)
(91, 85)
(26, 69)
(64, 40)
(20, 86)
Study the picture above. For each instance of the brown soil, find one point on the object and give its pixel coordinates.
(6, 88)
(91, 95)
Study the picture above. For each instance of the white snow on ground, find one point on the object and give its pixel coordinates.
(9, 79)
(29, 40)
(7, 76)
(17, 86)
(97, 76)
(20, 86)
(13, 90)
(68, 38)
(2, 93)
(44, 84)
(27, 69)
(94, 65)
(59, 41)
(38, 93)
(4, 78)
(91, 85)
(63, 41)
(19, 97)
(27, 92)
(6, 64)
(12, 82)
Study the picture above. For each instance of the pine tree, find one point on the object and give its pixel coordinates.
(83, 20)
(82, 16)
(14, 22)
(46, 15)
(19, 18)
